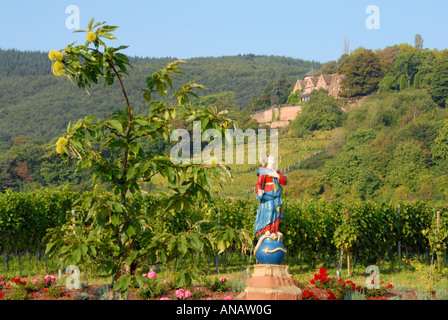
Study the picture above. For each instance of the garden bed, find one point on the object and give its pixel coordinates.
(320, 287)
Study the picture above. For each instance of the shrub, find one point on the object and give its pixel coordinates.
(402, 289)
(82, 296)
(353, 295)
(442, 293)
(218, 285)
(423, 295)
(53, 291)
(308, 295)
(18, 293)
(156, 286)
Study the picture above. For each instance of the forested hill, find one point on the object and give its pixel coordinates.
(39, 105)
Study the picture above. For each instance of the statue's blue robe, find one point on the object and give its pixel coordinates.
(269, 202)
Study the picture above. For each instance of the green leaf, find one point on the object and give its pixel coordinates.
(135, 147)
(115, 124)
(132, 256)
(115, 219)
(195, 242)
(89, 26)
(123, 283)
(129, 228)
(131, 172)
(107, 35)
(182, 245)
(84, 249)
(76, 256)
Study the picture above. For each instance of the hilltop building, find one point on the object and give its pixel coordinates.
(329, 82)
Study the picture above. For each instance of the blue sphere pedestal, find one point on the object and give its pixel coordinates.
(270, 249)
(270, 280)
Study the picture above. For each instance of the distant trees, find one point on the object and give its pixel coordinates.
(274, 93)
(30, 95)
(281, 89)
(329, 67)
(226, 101)
(29, 165)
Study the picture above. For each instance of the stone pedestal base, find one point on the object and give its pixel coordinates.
(270, 282)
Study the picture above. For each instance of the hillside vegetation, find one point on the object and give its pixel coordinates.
(35, 103)
(391, 143)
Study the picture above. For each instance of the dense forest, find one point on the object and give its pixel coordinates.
(36, 106)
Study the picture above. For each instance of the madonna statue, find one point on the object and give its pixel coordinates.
(268, 191)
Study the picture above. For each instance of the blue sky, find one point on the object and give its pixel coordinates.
(311, 30)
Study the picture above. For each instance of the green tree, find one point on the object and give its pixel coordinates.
(410, 158)
(359, 137)
(321, 112)
(363, 72)
(439, 148)
(418, 41)
(329, 67)
(403, 82)
(439, 82)
(342, 171)
(294, 98)
(415, 66)
(281, 89)
(110, 231)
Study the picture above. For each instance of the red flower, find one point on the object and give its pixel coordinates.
(32, 294)
(68, 295)
(1, 295)
(45, 289)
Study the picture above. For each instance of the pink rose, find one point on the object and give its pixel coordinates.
(228, 298)
(180, 293)
(188, 294)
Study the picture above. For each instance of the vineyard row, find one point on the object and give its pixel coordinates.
(369, 230)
